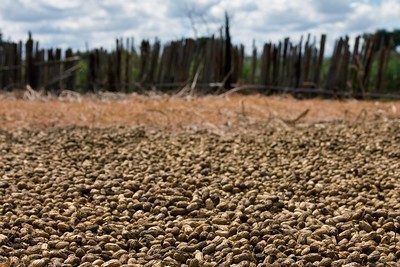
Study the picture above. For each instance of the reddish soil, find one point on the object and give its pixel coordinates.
(218, 113)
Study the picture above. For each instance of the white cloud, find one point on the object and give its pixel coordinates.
(99, 22)
(390, 14)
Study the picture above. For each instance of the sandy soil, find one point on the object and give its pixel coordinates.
(218, 113)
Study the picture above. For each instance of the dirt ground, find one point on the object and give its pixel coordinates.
(217, 113)
(208, 181)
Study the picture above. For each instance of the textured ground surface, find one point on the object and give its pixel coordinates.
(320, 195)
(217, 113)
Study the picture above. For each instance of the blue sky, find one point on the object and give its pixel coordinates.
(72, 23)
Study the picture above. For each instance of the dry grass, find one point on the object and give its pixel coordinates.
(218, 113)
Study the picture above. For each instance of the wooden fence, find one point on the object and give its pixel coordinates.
(45, 69)
(358, 71)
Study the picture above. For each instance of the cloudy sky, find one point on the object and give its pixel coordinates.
(72, 23)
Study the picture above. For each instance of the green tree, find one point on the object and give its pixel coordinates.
(389, 38)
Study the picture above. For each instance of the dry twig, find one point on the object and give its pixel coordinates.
(294, 121)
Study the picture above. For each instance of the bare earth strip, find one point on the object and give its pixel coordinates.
(216, 113)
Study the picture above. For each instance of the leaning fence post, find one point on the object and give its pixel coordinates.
(355, 69)
(368, 60)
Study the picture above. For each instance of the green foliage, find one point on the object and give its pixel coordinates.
(389, 38)
(324, 70)
(135, 59)
(246, 69)
(392, 77)
(82, 74)
(393, 72)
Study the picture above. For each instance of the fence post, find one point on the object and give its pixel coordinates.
(266, 65)
(144, 61)
(275, 64)
(30, 65)
(71, 81)
(343, 67)
(368, 59)
(92, 71)
(128, 55)
(155, 53)
(253, 63)
(297, 67)
(111, 81)
(355, 69)
(228, 55)
(332, 74)
(40, 69)
(317, 73)
(306, 62)
(284, 70)
(118, 63)
(382, 66)
(58, 69)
